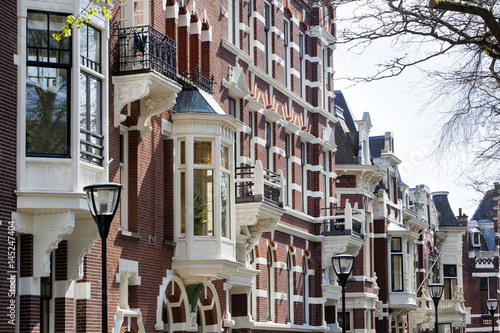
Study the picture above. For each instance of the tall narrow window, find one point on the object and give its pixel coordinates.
(324, 76)
(396, 264)
(289, 289)
(232, 107)
(326, 183)
(225, 192)
(305, 288)
(91, 138)
(301, 61)
(251, 124)
(270, 284)
(483, 293)
(450, 280)
(46, 299)
(124, 179)
(288, 168)
(234, 21)
(303, 171)
(47, 87)
(250, 25)
(203, 190)
(286, 42)
(269, 144)
(267, 36)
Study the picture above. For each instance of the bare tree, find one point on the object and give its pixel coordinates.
(468, 31)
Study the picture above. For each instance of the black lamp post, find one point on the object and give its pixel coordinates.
(342, 264)
(436, 291)
(492, 307)
(103, 201)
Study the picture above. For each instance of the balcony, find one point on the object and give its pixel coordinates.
(145, 69)
(343, 228)
(259, 201)
(142, 49)
(343, 222)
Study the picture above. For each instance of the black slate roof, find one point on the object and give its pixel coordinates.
(347, 145)
(341, 103)
(376, 145)
(485, 209)
(446, 216)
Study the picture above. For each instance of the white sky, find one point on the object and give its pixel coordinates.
(394, 105)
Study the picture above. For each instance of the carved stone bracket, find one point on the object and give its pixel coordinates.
(48, 229)
(153, 106)
(128, 91)
(334, 245)
(161, 93)
(79, 243)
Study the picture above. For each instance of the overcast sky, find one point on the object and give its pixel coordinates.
(395, 106)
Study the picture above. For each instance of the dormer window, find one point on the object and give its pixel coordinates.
(475, 234)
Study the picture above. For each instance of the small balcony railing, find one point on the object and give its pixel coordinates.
(143, 48)
(255, 183)
(197, 79)
(340, 221)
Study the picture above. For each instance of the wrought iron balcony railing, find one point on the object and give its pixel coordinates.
(340, 221)
(143, 48)
(255, 183)
(197, 79)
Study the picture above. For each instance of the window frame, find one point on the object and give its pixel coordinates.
(267, 37)
(397, 279)
(58, 65)
(303, 169)
(270, 284)
(286, 44)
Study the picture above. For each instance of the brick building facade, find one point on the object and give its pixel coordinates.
(244, 173)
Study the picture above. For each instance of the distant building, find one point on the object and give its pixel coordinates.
(480, 253)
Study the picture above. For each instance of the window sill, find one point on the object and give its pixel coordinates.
(129, 235)
(168, 244)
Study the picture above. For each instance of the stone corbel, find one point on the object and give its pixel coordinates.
(153, 106)
(48, 230)
(127, 92)
(79, 243)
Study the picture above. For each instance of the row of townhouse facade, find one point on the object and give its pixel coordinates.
(244, 173)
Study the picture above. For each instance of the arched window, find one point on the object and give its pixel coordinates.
(289, 283)
(270, 284)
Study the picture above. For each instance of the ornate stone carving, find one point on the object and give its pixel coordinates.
(127, 92)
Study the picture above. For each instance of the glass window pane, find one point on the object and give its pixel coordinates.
(396, 244)
(203, 203)
(397, 272)
(183, 202)
(37, 30)
(203, 152)
(183, 152)
(224, 157)
(225, 195)
(56, 23)
(47, 111)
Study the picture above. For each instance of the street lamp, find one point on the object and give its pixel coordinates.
(342, 264)
(103, 201)
(492, 307)
(436, 291)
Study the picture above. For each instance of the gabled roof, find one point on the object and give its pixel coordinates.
(376, 145)
(446, 216)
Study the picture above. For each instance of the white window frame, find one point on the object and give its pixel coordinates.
(268, 47)
(286, 43)
(303, 166)
(234, 22)
(124, 168)
(302, 47)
